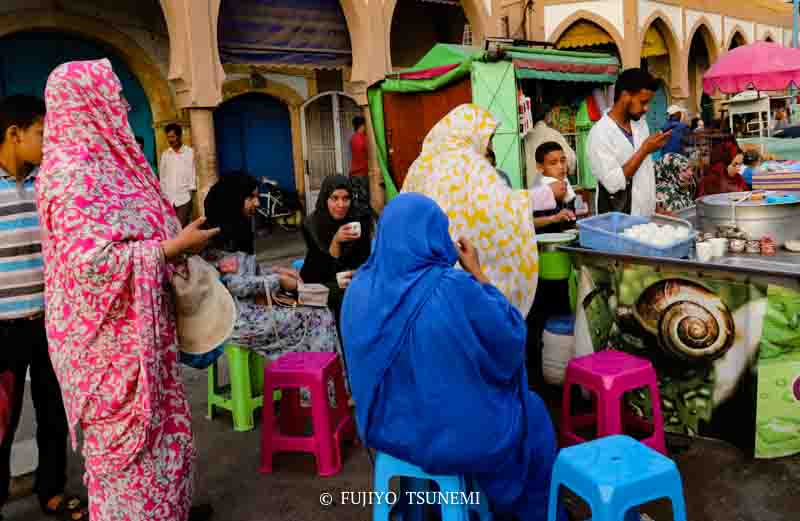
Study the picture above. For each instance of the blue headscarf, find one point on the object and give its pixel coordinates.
(436, 364)
(413, 250)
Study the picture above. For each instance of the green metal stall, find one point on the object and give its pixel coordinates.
(494, 82)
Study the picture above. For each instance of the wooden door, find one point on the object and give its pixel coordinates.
(408, 117)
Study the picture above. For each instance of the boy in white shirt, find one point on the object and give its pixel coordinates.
(551, 165)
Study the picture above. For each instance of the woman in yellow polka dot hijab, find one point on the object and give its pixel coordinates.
(454, 171)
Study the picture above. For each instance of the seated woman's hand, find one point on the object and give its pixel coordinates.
(345, 234)
(288, 279)
(229, 265)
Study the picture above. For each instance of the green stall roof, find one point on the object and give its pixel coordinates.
(529, 63)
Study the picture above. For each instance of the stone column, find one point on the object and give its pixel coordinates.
(205, 150)
(376, 186)
(631, 51)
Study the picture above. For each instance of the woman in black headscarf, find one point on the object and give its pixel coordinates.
(269, 330)
(333, 245)
(230, 205)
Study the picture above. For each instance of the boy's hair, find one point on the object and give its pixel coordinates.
(20, 110)
(546, 148)
(174, 127)
(358, 121)
(751, 157)
(634, 80)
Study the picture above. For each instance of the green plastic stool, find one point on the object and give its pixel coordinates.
(245, 393)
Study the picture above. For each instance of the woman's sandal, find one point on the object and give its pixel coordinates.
(70, 508)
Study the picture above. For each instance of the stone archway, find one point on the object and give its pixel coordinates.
(474, 12)
(601, 22)
(678, 81)
(292, 99)
(703, 27)
(698, 59)
(135, 58)
(737, 38)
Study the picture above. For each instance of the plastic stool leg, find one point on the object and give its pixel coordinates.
(552, 506)
(267, 430)
(241, 390)
(609, 421)
(212, 389)
(381, 509)
(320, 416)
(257, 373)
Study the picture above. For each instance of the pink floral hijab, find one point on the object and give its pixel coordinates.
(103, 218)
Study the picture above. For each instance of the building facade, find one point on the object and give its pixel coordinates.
(271, 87)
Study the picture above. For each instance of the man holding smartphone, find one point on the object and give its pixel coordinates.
(620, 146)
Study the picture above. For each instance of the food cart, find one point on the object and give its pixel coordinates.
(723, 334)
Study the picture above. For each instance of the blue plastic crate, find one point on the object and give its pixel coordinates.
(604, 232)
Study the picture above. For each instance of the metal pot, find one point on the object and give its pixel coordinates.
(755, 218)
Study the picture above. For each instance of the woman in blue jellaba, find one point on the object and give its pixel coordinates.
(437, 363)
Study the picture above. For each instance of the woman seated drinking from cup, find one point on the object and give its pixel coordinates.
(338, 239)
(436, 359)
(269, 329)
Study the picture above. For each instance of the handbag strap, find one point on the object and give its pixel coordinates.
(269, 295)
(278, 342)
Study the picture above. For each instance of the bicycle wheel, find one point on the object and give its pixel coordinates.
(289, 223)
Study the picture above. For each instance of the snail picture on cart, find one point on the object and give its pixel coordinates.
(706, 338)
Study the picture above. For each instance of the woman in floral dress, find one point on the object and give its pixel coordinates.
(675, 184)
(271, 331)
(108, 238)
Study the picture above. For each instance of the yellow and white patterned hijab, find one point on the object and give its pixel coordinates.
(453, 170)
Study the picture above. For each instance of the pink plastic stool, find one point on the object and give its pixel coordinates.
(609, 375)
(321, 374)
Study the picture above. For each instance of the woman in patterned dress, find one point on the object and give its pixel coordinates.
(108, 238)
(675, 184)
(230, 205)
(454, 171)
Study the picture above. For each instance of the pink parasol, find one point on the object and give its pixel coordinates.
(763, 66)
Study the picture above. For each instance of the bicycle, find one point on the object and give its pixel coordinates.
(274, 208)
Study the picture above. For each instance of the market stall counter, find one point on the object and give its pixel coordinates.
(723, 335)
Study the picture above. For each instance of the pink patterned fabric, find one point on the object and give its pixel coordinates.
(110, 319)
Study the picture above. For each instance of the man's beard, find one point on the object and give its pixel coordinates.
(635, 117)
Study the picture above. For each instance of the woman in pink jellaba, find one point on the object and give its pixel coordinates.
(109, 239)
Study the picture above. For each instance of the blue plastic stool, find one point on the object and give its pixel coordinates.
(388, 467)
(298, 264)
(615, 475)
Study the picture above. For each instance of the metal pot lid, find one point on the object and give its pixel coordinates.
(727, 199)
(557, 238)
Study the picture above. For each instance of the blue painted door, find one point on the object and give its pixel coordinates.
(27, 59)
(657, 116)
(254, 134)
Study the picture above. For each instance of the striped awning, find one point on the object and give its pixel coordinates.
(547, 64)
(297, 33)
(584, 34)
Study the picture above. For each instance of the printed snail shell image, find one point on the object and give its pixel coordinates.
(689, 321)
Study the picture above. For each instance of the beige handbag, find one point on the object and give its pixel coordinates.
(314, 295)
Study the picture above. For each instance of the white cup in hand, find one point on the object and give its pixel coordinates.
(355, 227)
(343, 278)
